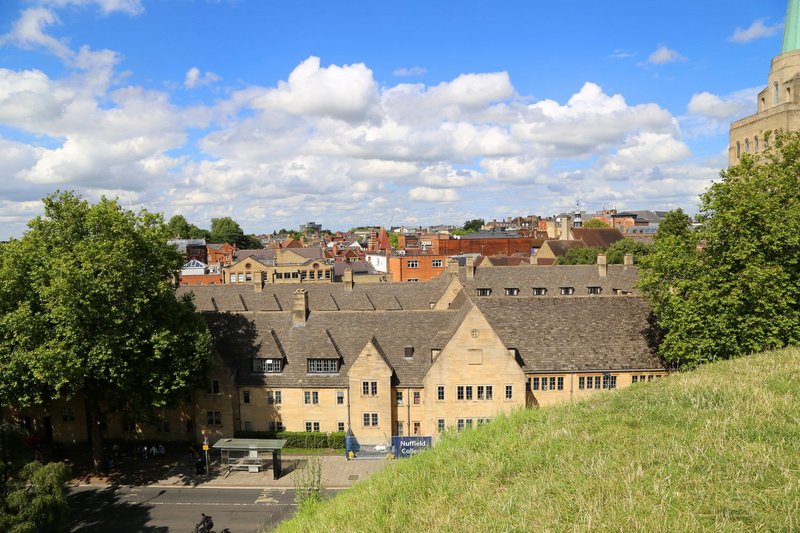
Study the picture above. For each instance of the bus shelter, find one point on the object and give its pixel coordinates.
(252, 455)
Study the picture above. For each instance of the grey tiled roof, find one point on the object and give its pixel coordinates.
(241, 336)
(526, 277)
(321, 296)
(575, 334)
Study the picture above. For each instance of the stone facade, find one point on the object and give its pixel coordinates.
(778, 109)
(378, 360)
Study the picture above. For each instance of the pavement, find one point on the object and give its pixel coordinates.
(335, 473)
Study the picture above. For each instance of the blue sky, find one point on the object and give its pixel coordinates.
(277, 113)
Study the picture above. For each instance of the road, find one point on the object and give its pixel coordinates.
(159, 510)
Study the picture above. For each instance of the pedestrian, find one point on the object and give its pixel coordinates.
(144, 452)
(161, 450)
(153, 451)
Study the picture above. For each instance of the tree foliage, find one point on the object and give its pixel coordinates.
(473, 225)
(580, 256)
(731, 287)
(226, 229)
(595, 223)
(615, 255)
(180, 228)
(88, 309)
(35, 499)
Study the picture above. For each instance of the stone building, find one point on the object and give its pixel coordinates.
(386, 359)
(778, 103)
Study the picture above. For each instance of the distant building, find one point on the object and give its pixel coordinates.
(778, 103)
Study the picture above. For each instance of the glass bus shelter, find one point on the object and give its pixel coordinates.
(251, 454)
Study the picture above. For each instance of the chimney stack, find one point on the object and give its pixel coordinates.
(347, 279)
(628, 260)
(300, 307)
(452, 268)
(470, 267)
(258, 281)
(602, 266)
(564, 228)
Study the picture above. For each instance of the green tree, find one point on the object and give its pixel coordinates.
(473, 225)
(35, 499)
(580, 256)
(394, 240)
(178, 227)
(595, 223)
(88, 310)
(226, 229)
(732, 287)
(616, 253)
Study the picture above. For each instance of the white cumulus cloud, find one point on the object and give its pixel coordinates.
(195, 78)
(429, 194)
(757, 30)
(664, 55)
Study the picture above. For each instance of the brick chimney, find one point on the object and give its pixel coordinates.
(258, 281)
(602, 266)
(347, 279)
(628, 260)
(300, 307)
(470, 267)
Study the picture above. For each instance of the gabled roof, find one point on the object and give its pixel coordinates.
(241, 336)
(526, 277)
(561, 247)
(575, 334)
(597, 237)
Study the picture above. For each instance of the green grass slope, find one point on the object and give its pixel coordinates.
(714, 449)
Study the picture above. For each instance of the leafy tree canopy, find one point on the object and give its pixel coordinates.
(473, 225)
(181, 229)
(35, 499)
(732, 287)
(615, 255)
(88, 309)
(226, 229)
(580, 256)
(595, 223)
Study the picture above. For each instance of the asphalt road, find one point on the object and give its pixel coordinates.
(160, 510)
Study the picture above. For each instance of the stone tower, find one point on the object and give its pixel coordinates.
(778, 103)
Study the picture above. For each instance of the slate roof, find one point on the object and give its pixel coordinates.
(321, 297)
(268, 254)
(561, 247)
(597, 237)
(575, 334)
(526, 277)
(241, 336)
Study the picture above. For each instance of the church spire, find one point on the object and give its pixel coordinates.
(791, 27)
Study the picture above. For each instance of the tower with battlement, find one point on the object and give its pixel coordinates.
(779, 102)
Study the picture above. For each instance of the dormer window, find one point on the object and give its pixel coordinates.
(323, 366)
(408, 352)
(484, 292)
(539, 291)
(512, 291)
(594, 290)
(267, 366)
(567, 291)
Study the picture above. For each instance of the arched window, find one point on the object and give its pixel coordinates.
(747, 146)
(755, 144)
(738, 150)
(763, 104)
(766, 143)
(776, 96)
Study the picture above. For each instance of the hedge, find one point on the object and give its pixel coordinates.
(298, 439)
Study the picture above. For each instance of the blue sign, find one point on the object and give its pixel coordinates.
(407, 446)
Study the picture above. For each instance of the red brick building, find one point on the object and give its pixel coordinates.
(416, 267)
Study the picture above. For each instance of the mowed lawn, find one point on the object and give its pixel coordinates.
(713, 449)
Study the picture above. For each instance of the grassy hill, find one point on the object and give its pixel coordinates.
(714, 449)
